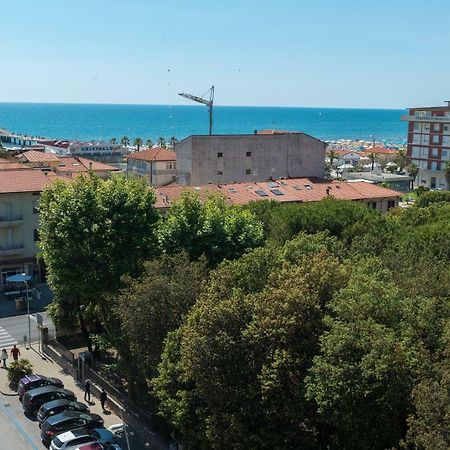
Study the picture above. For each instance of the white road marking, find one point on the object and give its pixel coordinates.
(6, 339)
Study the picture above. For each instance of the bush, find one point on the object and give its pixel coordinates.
(19, 369)
(432, 197)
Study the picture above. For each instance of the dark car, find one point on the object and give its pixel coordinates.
(34, 381)
(68, 420)
(56, 406)
(35, 398)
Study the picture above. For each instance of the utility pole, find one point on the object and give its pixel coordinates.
(205, 100)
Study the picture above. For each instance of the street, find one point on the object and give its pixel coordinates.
(13, 329)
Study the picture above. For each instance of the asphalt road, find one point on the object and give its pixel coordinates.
(13, 329)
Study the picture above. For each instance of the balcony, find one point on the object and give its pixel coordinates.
(11, 220)
(430, 119)
(11, 249)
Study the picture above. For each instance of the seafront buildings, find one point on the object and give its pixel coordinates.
(429, 143)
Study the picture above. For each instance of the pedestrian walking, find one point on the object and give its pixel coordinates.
(103, 398)
(15, 352)
(87, 391)
(4, 357)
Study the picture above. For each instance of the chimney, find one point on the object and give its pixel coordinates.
(90, 165)
(327, 190)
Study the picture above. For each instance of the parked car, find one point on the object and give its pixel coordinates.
(34, 381)
(68, 420)
(70, 440)
(98, 446)
(56, 406)
(35, 398)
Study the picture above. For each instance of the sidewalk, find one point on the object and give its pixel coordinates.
(51, 369)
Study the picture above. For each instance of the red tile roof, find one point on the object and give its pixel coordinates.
(290, 190)
(379, 151)
(75, 165)
(29, 180)
(154, 154)
(36, 156)
(12, 166)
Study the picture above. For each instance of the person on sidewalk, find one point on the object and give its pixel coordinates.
(15, 352)
(4, 357)
(87, 391)
(103, 398)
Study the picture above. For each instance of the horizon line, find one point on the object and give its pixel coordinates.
(198, 106)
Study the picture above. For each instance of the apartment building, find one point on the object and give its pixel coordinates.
(20, 191)
(429, 143)
(264, 155)
(156, 165)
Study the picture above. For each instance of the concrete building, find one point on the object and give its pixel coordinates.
(400, 183)
(38, 160)
(294, 190)
(262, 156)
(156, 165)
(19, 220)
(429, 143)
(71, 167)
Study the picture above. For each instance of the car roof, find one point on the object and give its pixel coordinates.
(67, 415)
(57, 402)
(45, 389)
(73, 434)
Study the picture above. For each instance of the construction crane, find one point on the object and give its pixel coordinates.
(205, 101)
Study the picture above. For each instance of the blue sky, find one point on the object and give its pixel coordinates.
(379, 53)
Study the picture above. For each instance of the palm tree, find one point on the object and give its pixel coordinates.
(113, 141)
(413, 171)
(161, 142)
(173, 141)
(137, 143)
(372, 159)
(149, 143)
(447, 174)
(401, 158)
(125, 141)
(332, 156)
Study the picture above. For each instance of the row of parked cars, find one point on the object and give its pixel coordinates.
(65, 423)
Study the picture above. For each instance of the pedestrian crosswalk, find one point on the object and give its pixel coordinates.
(6, 340)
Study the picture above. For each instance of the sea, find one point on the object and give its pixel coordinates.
(105, 121)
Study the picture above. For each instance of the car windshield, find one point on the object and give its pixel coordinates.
(57, 442)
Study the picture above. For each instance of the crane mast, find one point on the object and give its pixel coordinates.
(206, 99)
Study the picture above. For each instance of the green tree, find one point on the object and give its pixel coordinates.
(161, 142)
(173, 141)
(427, 198)
(233, 375)
(92, 232)
(149, 143)
(138, 143)
(125, 141)
(332, 157)
(211, 228)
(401, 158)
(155, 303)
(113, 140)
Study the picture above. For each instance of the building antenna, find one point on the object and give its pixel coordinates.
(209, 102)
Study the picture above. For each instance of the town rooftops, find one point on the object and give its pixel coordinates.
(154, 154)
(37, 156)
(295, 190)
(29, 180)
(70, 164)
(379, 151)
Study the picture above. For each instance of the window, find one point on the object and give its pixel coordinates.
(248, 171)
(35, 207)
(426, 127)
(276, 192)
(391, 204)
(248, 154)
(434, 152)
(170, 165)
(220, 155)
(261, 193)
(372, 205)
(435, 139)
(444, 154)
(415, 152)
(36, 235)
(433, 183)
(416, 126)
(437, 127)
(219, 172)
